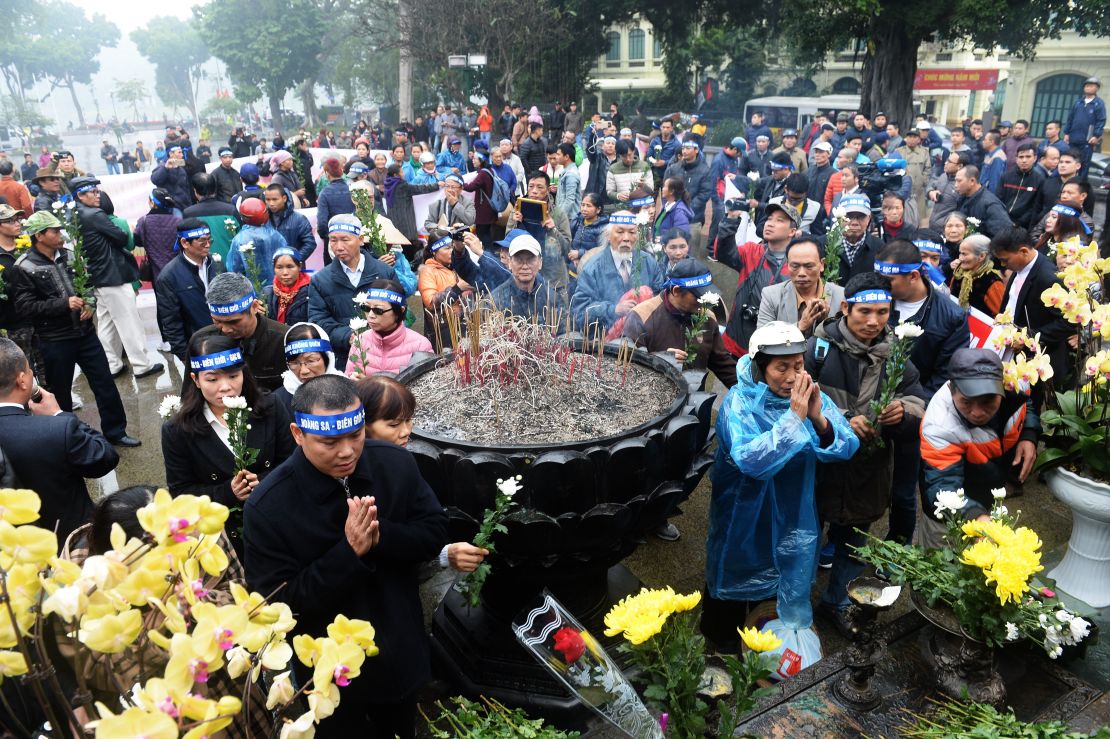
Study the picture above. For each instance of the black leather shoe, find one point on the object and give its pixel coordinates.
(126, 441)
(154, 369)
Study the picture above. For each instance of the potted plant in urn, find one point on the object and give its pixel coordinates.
(1077, 427)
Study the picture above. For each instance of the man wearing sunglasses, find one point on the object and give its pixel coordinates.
(50, 189)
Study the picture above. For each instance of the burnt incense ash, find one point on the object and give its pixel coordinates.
(511, 381)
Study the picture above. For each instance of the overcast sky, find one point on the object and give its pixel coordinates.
(124, 62)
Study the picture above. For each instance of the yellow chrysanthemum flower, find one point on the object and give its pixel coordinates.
(759, 641)
(640, 617)
(981, 554)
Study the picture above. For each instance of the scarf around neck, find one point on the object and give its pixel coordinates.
(285, 294)
(967, 279)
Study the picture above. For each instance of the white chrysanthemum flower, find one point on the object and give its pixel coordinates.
(359, 299)
(235, 401)
(710, 298)
(998, 493)
(170, 405)
(1012, 632)
(839, 213)
(215, 257)
(509, 487)
(908, 330)
(1063, 616)
(973, 221)
(247, 247)
(58, 205)
(71, 205)
(358, 324)
(1080, 628)
(753, 176)
(948, 500)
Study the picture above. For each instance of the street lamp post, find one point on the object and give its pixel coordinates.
(467, 63)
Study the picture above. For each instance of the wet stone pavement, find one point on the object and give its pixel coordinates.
(680, 564)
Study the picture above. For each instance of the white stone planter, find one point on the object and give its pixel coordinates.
(1085, 570)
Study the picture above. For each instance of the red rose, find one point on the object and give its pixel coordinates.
(570, 643)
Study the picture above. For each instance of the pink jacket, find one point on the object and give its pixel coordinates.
(377, 353)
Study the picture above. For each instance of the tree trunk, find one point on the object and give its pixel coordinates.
(308, 99)
(889, 67)
(275, 110)
(76, 104)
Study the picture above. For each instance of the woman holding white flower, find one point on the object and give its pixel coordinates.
(196, 440)
(389, 344)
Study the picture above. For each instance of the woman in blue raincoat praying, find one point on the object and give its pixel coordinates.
(764, 535)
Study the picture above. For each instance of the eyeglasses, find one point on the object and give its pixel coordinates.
(306, 360)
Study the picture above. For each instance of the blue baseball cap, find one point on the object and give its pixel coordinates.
(504, 243)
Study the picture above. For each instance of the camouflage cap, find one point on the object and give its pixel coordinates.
(40, 221)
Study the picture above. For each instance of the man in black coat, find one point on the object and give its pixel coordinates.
(41, 284)
(976, 201)
(50, 451)
(860, 245)
(365, 521)
(234, 309)
(228, 181)
(533, 149)
(180, 287)
(1033, 274)
(112, 269)
(1020, 186)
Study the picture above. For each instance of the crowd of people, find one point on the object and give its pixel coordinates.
(629, 250)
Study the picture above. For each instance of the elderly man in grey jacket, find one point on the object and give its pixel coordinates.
(805, 299)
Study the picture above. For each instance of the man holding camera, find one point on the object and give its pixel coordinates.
(450, 213)
(64, 166)
(172, 176)
(757, 265)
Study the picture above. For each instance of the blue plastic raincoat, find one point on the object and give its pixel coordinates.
(763, 529)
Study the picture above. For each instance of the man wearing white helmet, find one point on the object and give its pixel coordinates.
(774, 426)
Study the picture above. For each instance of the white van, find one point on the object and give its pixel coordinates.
(798, 112)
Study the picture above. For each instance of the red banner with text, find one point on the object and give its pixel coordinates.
(955, 79)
